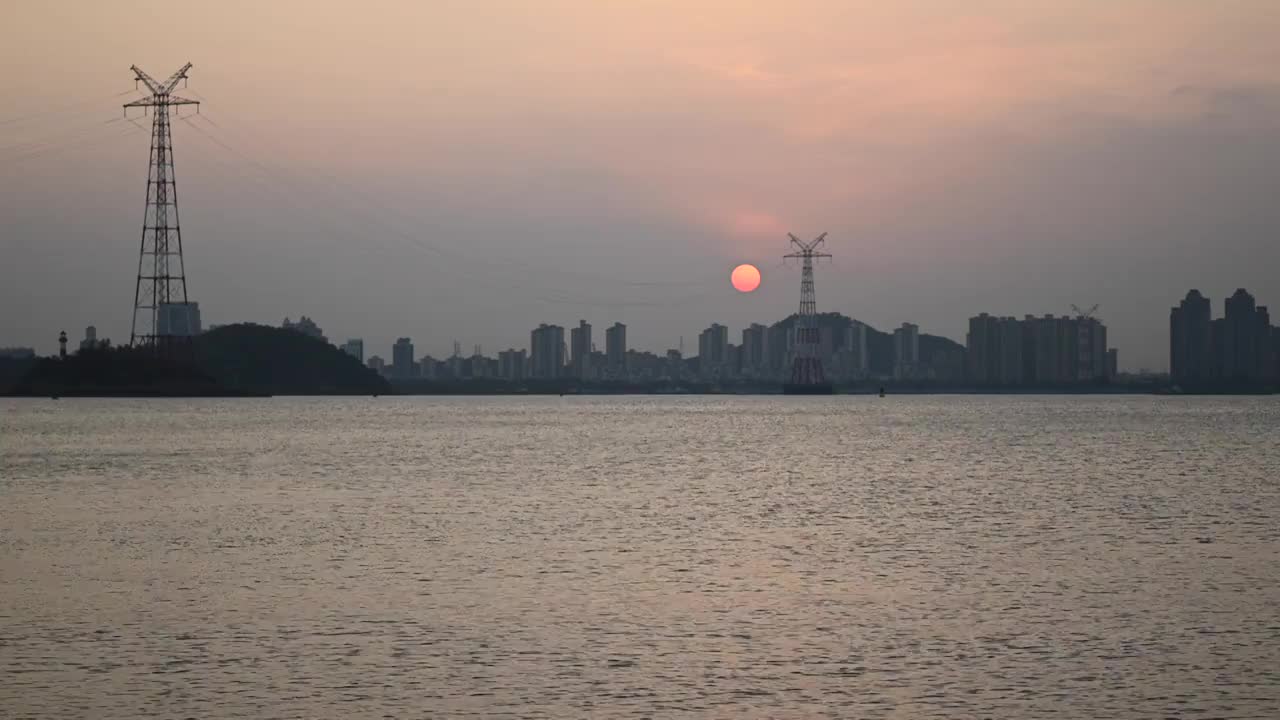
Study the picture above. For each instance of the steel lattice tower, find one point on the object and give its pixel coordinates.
(162, 280)
(806, 368)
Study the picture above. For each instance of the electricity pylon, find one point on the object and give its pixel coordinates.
(160, 296)
(806, 367)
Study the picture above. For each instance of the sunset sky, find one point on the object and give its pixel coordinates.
(465, 170)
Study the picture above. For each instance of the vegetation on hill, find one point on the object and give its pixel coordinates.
(880, 344)
(106, 371)
(12, 371)
(231, 360)
(261, 359)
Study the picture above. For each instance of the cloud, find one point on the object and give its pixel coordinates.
(1252, 105)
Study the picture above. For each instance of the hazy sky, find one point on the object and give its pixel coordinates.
(466, 170)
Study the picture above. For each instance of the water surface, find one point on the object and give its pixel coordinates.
(911, 557)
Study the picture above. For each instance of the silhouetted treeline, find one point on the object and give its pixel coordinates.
(231, 360)
(262, 359)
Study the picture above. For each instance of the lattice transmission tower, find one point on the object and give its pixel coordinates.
(162, 316)
(806, 368)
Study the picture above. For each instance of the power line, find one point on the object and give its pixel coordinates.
(285, 179)
(381, 212)
(64, 108)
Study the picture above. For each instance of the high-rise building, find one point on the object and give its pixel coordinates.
(546, 351)
(777, 350)
(1190, 342)
(906, 351)
(853, 360)
(1044, 350)
(982, 345)
(1113, 363)
(1266, 365)
(615, 349)
(1046, 343)
(1091, 349)
(713, 351)
(429, 368)
(90, 340)
(673, 367)
(511, 364)
(1240, 358)
(355, 348)
(580, 350)
(1275, 353)
(753, 346)
(1217, 347)
(402, 358)
(1010, 366)
(377, 364)
(181, 319)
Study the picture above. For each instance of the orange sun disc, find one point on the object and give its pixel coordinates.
(745, 278)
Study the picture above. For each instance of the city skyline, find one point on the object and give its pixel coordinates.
(437, 346)
(1022, 156)
(998, 350)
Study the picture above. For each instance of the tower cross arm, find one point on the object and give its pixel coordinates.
(155, 86)
(146, 79)
(807, 249)
(153, 101)
(172, 82)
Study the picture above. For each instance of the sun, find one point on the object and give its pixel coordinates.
(745, 278)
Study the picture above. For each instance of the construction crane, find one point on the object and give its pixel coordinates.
(1085, 314)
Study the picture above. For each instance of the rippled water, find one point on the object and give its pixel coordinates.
(948, 557)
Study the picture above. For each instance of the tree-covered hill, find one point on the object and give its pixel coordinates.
(880, 344)
(261, 359)
(239, 359)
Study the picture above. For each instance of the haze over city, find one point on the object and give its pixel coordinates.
(461, 171)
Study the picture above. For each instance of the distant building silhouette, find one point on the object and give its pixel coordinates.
(1247, 339)
(906, 351)
(180, 319)
(511, 364)
(354, 348)
(402, 363)
(90, 341)
(994, 350)
(1239, 347)
(479, 366)
(377, 364)
(615, 350)
(17, 353)
(851, 359)
(429, 368)
(580, 350)
(777, 348)
(673, 366)
(754, 359)
(1045, 350)
(306, 326)
(1274, 364)
(1190, 339)
(546, 351)
(713, 351)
